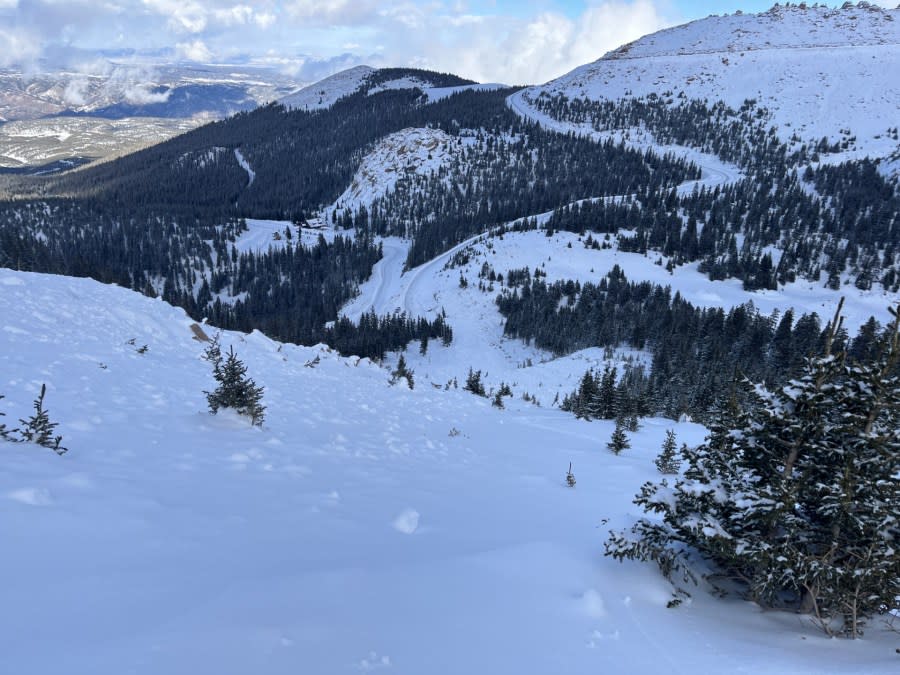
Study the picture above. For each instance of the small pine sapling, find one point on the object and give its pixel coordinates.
(632, 423)
(570, 477)
(498, 399)
(4, 432)
(474, 384)
(402, 372)
(619, 439)
(38, 428)
(235, 390)
(668, 461)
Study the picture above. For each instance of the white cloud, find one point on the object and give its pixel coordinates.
(142, 94)
(332, 12)
(468, 38)
(183, 15)
(236, 15)
(498, 48)
(194, 51)
(17, 46)
(75, 93)
(264, 19)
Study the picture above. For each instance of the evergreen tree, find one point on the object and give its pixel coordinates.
(38, 428)
(402, 372)
(4, 432)
(584, 403)
(235, 390)
(619, 439)
(667, 461)
(474, 384)
(607, 403)
(631, 422)
(798, 498)
(497, 402)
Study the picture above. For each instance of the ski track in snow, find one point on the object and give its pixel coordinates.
(245, 165)
(715, 172)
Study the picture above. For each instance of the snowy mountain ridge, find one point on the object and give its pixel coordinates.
(328, 91)
(781, 27)
(817, 71)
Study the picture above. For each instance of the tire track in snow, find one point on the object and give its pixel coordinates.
(418, 273)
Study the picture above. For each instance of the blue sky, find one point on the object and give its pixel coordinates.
(522, 41)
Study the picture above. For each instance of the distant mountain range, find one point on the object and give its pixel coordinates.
(117, 90)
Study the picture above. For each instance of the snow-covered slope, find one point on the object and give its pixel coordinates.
(364, 528)
(439, 93)
(410, 151)
(819, 71)
(36, 142)
(325, 93)
(478, 339)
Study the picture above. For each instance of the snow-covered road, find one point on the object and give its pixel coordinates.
(715, 172)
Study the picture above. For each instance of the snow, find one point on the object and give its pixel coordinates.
(817, 70)
(407, 82)
(261, 235)
(245, 165)
(478, 339)
(364, 527)
(369, 527)
(435, 94)
(412, 151)
(327, 92)
(407, 522)
(714, 171)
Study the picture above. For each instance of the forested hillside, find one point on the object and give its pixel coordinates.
(165, 221)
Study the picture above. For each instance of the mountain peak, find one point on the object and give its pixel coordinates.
(814, 71)
(781, 27)
(327, 92)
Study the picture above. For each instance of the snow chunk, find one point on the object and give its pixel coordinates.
(31, 496)
(407, 522)
(592, 604)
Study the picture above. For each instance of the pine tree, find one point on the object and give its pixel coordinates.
(607, 398)
(402, 372)
(631, 422)
(4, 432)
(474, 384)
(497, 402)
(38, 428)
(235, 390)
(619, 439)
(667, 461)
(798, 498)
